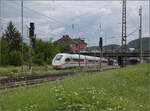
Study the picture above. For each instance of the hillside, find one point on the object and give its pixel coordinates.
(145, 44)
(131, 44)
(112, 47)
(108, 47)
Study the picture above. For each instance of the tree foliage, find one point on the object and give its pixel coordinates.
(4, 53)
(12, 37)
(15, 58)
(11, 49)
(45, 52)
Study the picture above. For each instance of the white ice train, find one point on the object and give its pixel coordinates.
(62, 61)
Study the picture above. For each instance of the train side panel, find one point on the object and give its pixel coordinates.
(62, 61)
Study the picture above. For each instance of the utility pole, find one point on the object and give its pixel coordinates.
(79, 51)
(100, 46)
(0, 33)
(0, 48)
(30, 57)
(124, 48)
(22, 35)
(101, 50)
(140, 35)
(28, 36)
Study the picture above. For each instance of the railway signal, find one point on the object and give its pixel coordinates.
(100, 42)
(31, 29)
(32, 37)
(34, 42)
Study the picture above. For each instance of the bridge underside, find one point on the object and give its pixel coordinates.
(121, 54)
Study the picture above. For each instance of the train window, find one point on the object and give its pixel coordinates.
(81, 60)
(104, 61)
(67, 60)
(77, 60)
(58, 57)
(91, 60)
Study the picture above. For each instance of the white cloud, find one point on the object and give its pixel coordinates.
(81, 13)
(57, 31)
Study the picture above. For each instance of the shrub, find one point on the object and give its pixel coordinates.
(4, 59)
(15, 58)
(38, 59)
(15, 71)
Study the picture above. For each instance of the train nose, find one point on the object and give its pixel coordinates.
(56, 64)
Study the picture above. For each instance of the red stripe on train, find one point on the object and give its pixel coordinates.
(59, 66)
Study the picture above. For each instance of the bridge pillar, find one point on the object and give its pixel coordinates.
(120, 61)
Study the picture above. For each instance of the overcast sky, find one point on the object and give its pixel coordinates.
(77, 19)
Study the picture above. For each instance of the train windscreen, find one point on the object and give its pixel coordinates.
(58, 57)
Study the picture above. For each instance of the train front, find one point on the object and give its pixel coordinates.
(58, 62)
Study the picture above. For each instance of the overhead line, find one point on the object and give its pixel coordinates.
(51, 18)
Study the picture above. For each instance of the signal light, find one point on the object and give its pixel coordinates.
(32, 35)
(100, 42)
(31, 30)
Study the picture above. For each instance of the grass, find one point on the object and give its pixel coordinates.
(14, 69)
(15, 72)
(39, 69)
(121, 89)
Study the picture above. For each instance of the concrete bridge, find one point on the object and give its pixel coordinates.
(116, 54)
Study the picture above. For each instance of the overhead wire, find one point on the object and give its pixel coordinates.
(56, 21)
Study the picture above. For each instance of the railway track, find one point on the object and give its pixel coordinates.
(28, 81)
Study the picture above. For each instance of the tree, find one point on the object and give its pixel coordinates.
(45, 52)
(12, 37)
(11, 47)
(65, 49)
(15, 58)
(4, 53)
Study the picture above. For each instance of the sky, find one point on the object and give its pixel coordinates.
(88, 20)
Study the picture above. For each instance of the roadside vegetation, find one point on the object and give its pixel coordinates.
(117, 90)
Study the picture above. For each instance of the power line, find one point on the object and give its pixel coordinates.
(51, 18)
(132, 32)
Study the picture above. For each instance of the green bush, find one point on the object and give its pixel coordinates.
(15, 58)
(38, 59)
(4, 59)
(39, 62)
(15, 71)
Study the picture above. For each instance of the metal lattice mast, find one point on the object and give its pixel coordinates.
(124, 26)
(140, 34)
(124, 36)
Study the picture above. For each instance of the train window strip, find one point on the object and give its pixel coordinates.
(77, 60)
(92, 61)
